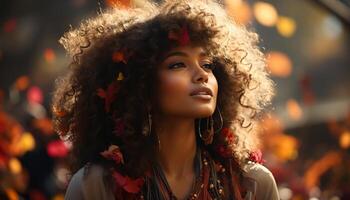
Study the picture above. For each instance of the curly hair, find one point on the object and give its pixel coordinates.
(244, 84)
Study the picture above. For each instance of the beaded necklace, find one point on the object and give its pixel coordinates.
(206, 185)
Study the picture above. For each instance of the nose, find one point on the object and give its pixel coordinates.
(199, 74)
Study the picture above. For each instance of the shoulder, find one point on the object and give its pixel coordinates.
(89, 182)
(261, 180)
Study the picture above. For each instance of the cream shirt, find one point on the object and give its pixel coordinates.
(92, 186)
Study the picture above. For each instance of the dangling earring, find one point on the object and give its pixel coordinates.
(147, 131)
(221, 121)
(159, 146)
(207, 136)
(149, 123)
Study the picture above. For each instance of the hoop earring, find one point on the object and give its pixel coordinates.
(207, 137)
(221, 120)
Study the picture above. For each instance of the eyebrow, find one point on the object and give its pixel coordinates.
(180, 53)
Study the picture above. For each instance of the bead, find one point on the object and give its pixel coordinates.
(211, 185)
(223, 170)
(220, 191)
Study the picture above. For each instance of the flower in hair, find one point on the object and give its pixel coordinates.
(109, 95)
(128, 184)
(113, 153)
(256, 156)
(182, 37)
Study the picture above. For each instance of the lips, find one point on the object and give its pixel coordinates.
(201, 91)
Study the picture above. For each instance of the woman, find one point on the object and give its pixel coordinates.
(160, 103)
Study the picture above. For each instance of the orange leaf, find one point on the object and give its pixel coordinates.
(119, 57)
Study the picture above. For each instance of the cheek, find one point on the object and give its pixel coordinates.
(214, 85)
(172, 89)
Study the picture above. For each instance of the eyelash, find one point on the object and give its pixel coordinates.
(210, 64)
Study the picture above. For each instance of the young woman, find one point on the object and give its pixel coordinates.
(160, 102)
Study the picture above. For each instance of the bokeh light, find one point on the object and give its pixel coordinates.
(49, 55)
(294, 110)
(10, 25)
(35, 95)
(15, 166)
(22, 83)
(279, 64)
(286, 26)
(239, 10)
(344, 140)
(265, 13)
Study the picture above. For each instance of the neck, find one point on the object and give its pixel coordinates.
(177, 145)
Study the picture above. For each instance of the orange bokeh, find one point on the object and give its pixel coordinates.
(279, 64)
(49, 55)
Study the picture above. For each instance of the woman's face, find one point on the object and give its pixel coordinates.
(187, 86)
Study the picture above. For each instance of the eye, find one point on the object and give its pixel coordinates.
(176, 65)
(209, 66)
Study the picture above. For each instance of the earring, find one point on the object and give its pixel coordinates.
(159, 146)
(149, 122)
(147, 131)
(221, 121)
(208, 135)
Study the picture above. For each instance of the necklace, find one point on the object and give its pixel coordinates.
(197, 185)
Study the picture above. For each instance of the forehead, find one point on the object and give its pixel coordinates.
(186, 50)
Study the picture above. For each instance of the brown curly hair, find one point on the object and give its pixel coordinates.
(79, 115)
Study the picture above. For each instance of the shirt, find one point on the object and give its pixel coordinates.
(92, 186)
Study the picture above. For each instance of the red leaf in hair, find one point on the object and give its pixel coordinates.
(128, 184)
(256, 156)
(108, 95)
(119, 57)
(183, 37)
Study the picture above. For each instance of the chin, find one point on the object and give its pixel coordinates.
(203, 112)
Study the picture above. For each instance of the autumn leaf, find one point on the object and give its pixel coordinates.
(109, 95)
(113, 153)
(181, 37)
(256, 156)
(128, 184)
(119, 57)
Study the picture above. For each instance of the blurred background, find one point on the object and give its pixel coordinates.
(306, 131)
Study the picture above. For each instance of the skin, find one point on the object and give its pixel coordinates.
(174, 117)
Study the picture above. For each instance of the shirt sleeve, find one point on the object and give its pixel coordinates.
(88, 186)
(74, 189)
(266, 187)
